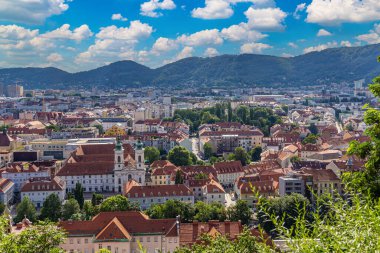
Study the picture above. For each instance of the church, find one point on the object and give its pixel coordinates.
(104, 167)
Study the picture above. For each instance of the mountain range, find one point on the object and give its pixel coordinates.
(335, 65)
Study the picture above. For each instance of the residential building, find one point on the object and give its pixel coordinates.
(38, 189)
(6, 191)
(291, 183)
(121, 232)
(157, 194)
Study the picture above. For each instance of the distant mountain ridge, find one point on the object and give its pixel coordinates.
(335, 65)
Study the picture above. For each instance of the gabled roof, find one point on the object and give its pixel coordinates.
(114, 230)
(126, 223)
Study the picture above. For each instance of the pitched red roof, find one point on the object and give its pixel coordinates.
(43, 184)
(133, 190)
(190, 233)
(118, 225)
(228, 167)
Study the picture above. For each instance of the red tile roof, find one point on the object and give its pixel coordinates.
(43, 184)
(228, 167)
(134, 190)
(118, 225)
(190, 233)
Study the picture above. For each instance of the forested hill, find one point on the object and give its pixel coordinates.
(334, 65)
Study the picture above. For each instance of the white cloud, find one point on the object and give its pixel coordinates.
(54, 57)
(286, 55)
(116, 43)
(266, 18)
(204, 37)
(293, 45)
(31, 11)
(186, 52)
(214, 9)
(346, 43)
(320, 47)
(323, 32)
(151, 7)
(132, 33)
(241, 32)
(373, 37)
(335, 12)
(301, 7)
(16, 32)
(118, 16)
(221, 9)
(163, 45)
(249, 48)
(64, 32)
(210, 52)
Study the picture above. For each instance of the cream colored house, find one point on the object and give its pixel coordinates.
(120, 232)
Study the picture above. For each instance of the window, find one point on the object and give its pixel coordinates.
(109, 248)
(148, 239)
(85, 240)
(155, 239)
(71, 241)
(100, 246)
(78, 241)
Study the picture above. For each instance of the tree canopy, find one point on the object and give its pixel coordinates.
(51, 208)
(151, 154)
(26, 209)
(180, 156)
(118, 203)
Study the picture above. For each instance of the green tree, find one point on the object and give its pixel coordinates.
(178, 177)
(70, 207)
(255, 153)
(179, 156)
(241, 155)
(244, 243)
(171, 209)
(96, 199)
(240, 211)
(313, 129)
(51, 208)
(243, 113)
(207, 150)
(100, 129)
(205, 212)
(78, 194)
(2, 208)
(151, 154)
(117, 203)
(310, 139)
(368, 180)
(194, 158)
(26, 209)
(287, 208)
(89, 210)
(42, 237)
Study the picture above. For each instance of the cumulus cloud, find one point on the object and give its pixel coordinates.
(323, 32)
(214, 9)
(249, 48)
(33, 12)
(114, 43)
(204, 37)
(54, 57)
(373, 37)
(132, 33)
(16, 32)
(320, 47)
(301, 7)
(241, 32)
(118, 16)
(335, 12)
(210, 52)
(266, 18)
(293, 45)
(163, 45)
(64, 32)
(221, 9)
(152, 7)
(186, 52)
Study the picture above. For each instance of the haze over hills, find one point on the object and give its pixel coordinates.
(334, 65)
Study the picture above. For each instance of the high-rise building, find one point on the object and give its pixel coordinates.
(14, 90)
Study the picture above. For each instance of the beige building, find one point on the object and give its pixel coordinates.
(120, 232)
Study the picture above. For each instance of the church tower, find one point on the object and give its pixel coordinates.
(119, 155)
(139, 156)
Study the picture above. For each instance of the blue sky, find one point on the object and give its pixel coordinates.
(82, 34)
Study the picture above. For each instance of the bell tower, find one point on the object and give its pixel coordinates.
(139, 156)
(119, 155)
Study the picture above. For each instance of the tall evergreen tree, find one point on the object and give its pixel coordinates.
(51, 208)
(78, 194)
